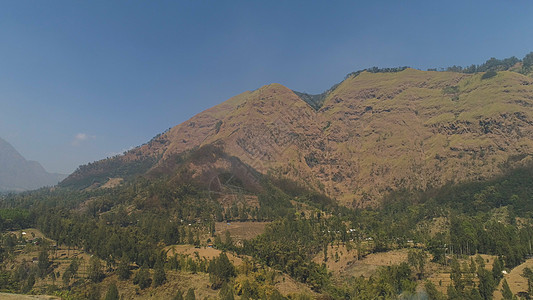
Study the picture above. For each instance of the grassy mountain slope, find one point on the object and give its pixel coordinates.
(374, 132)
(415, 129)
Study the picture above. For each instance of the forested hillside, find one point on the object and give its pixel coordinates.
(130, 228)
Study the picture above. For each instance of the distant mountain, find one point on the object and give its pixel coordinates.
(374, 133)
(18, 174)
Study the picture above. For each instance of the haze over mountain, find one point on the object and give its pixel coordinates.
(19, 174)
(373, 133)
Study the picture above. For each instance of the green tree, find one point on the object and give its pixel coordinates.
(417, 259)
(197, 239)
(247, 291)
(527, 62)
(190, 237)
(474, 295)
(226, 292)
(487, 284)
(71, 271)
(433, 293)
(94, 292)
(436, 247)
(276, 295)
(528, 274)
(506, 291)
(53, 277)
(480, 261)
(220, 270)
(123, 270)
(159, 274)
(497, 269)
(218, 241)
(190, 294)
(112, 292)
(456, 275)
(142, 278)
(44, 263)
(178, 296)
(95, 273)
(454, 294)
(489, 74)
(228, 240)
(30, 282)
(212, 227)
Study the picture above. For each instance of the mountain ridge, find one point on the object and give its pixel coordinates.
(375, 132)
(18, 174)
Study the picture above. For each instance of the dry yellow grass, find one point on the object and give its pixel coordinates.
(440, 275)
(175, 281)
(516, 282)
(7, 296)
(287, 286)
(202, 252)
(241, 230)
(112, 182)
(368, 266)
(29, 233)
(339, 263)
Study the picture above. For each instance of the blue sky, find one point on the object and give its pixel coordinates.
(83, 80)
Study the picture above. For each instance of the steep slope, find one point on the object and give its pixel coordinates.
(18, 174)
(415, 129)
(265, 129)
(373, 133)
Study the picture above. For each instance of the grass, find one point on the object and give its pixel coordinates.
(241, 230)
(516, 282)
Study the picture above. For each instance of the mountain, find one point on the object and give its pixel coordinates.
(374, 133)
(18, 174)
(428, 165)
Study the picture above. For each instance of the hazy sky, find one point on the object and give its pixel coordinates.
(83, 80)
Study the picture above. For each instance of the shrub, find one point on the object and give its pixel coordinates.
(112, 293)
(489, 74)
(142, 278)
(450, 90)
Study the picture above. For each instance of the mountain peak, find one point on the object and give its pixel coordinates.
(18, 174)
(373, 133)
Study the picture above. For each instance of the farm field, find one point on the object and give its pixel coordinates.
(241, 230)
